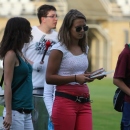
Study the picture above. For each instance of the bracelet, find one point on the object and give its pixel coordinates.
(75, 78)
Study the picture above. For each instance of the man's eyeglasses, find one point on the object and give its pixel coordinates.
(53, 16)
(79, 28)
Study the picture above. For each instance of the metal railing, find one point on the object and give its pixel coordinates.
(61, 6)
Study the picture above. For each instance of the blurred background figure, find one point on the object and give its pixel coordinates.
(37, 51)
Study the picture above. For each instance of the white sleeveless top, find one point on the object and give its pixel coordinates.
(71, 64)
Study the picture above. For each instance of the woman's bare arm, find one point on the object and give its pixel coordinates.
(52, 76)
(9, 63)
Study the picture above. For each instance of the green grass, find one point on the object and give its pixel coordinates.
(1, 110)
(104, 115)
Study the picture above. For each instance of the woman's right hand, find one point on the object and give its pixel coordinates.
(83, 78)
(7, 121)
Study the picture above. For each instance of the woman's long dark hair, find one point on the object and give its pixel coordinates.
(16, 33)
(64, 32)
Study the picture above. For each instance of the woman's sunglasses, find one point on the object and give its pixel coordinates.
(79, 28)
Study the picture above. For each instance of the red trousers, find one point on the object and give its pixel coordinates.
(71, 115)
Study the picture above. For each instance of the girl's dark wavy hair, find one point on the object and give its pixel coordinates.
(16, 33)
(64, 32)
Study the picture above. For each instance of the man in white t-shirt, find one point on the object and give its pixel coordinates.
(34, 51)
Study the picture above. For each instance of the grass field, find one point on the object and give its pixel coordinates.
(104, 115)
(1, 110)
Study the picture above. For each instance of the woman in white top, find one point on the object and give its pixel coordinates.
(67, 69)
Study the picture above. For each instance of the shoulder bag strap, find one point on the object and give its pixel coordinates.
(20, 83)
(2, 79)
(13, 90)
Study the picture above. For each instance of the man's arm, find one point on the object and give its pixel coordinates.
(36, 66)
(48, 97)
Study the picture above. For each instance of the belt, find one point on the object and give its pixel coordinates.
(24, 111)
(79, 99)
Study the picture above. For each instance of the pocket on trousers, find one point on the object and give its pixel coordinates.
(16, 114)
(125, 125)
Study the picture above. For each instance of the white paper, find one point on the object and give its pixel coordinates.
(103, 73)
(97, 72)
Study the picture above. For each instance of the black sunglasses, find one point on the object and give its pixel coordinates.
(79, 28)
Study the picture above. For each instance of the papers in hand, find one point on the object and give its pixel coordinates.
(101, 74)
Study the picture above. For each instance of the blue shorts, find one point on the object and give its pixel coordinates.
(50, 125)
(125, 123)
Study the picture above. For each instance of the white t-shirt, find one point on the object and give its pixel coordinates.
(35, 50)
(71, 64)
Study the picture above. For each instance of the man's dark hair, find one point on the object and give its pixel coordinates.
(43, 11)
